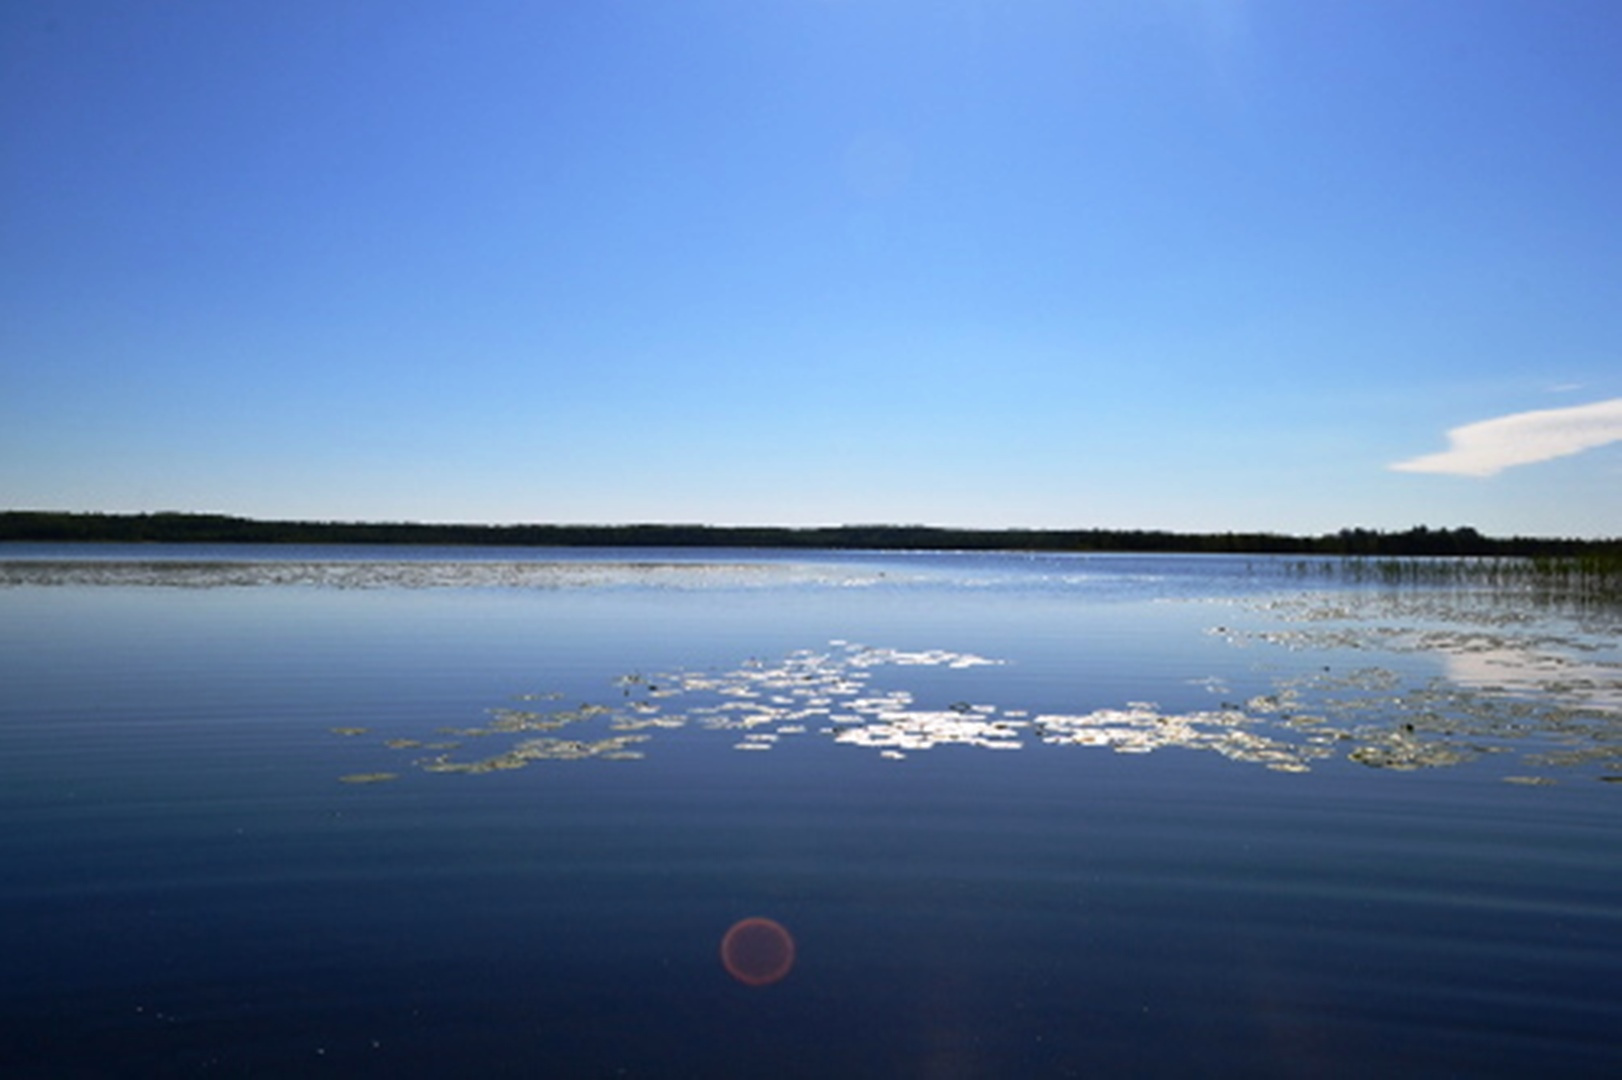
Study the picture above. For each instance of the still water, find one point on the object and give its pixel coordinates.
(413, 813)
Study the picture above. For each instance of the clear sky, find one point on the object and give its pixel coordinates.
(1285, 265)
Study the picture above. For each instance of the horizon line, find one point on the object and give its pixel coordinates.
(1416, 530)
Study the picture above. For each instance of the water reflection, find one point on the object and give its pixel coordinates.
(1525, 672)
(1511, 682)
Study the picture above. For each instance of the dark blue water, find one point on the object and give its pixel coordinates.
(191, 889)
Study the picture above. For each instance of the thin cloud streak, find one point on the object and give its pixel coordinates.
(1490, 446)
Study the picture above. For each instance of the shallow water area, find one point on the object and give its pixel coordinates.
(420, 813)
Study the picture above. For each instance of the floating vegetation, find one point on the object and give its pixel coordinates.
(508, 720)
(1512, 678)
(425, 574)
(368, 777)
(1539, 703)
(543, 749)
(350, 730)
(1141, 727)
(824, 692)
(1401, 750)
(907, 729)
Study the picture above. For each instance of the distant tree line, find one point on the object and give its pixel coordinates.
(184, 528)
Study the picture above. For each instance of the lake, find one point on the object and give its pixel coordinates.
(389, 812)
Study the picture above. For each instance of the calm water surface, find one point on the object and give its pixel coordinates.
(430, 812)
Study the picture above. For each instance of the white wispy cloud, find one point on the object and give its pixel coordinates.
(1490, 446)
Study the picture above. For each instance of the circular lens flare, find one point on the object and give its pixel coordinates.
(757, 952)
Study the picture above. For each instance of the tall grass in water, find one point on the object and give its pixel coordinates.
(1596, 576)
(1589, 580)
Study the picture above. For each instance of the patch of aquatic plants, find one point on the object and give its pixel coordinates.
(1591, 580)
(1515, 678)
(1368, 715)
(522, 753)
(421, 574)
(1490, 644)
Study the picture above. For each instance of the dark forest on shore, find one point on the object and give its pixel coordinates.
(52, 526)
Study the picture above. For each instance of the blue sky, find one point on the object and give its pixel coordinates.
(1191, 264)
